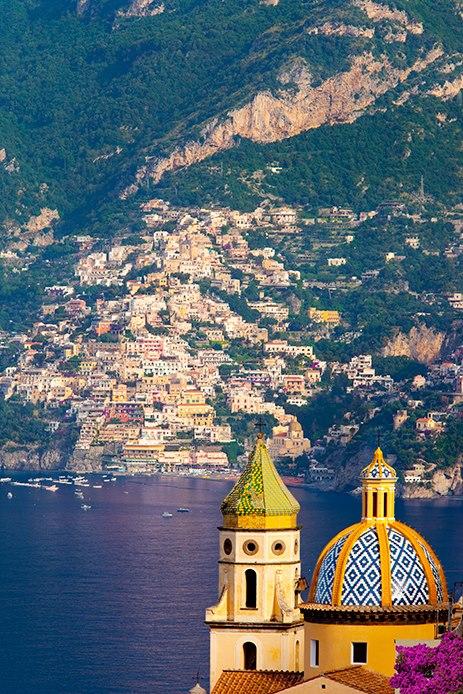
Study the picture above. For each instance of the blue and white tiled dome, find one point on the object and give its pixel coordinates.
(402, 565)
(378, 562)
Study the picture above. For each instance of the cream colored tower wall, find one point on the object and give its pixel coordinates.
(272, 566)
(276, 650)
(335, 644)
(275, 624)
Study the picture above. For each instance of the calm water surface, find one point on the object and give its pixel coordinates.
(113, 599)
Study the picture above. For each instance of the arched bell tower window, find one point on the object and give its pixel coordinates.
(250, 655)
(251, 588)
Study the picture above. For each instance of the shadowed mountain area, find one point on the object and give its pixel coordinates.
(309, 101)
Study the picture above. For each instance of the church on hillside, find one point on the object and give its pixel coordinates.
(376, 583)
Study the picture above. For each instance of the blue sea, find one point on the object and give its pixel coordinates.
(112, 599)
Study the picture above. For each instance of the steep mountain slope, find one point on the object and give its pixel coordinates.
(98, 99)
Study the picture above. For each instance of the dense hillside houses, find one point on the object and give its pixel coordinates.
(167, 348)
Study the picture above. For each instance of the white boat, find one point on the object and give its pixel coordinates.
(166, 514)
(183, 510)
(79, 495)
(50, 487)
(26, 484)
(85, 507)
(97, 486)
(9, 495)
(5, 479)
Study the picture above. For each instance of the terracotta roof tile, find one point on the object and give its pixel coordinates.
(256, 682)
(362, 679)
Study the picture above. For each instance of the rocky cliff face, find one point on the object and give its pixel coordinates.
(142, 8)
(272, 117)
(87, 461)
(54, 456)
(448, 482)
(422, 344)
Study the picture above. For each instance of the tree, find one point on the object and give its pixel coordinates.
(424, 670)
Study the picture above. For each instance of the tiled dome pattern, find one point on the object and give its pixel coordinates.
(324, 593)
(363, 567)
(409, 584)
(260, 491)
(362, 578)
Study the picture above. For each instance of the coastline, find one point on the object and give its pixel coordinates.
(293, 482)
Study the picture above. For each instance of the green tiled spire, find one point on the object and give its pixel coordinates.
(260, 491)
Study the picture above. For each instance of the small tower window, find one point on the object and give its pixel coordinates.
(278, 547)
(297, 656)
(251, 547)
(386, 499)
(251, 588)
(227, 546)
(314, 653)
(250, 655)
(375, 504)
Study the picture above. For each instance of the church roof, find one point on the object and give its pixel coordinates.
(360, 679)
(357, 678)
(378, 562)
(260, 493)
(378, 469)
(255, 681)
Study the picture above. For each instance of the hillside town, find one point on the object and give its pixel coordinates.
(167, 348)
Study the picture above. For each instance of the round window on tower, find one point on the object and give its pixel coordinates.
(227, 546)
(278, 547)
(250, 547)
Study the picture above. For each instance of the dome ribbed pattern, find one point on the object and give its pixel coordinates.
(379, 564)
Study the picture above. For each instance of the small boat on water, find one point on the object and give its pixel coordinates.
(183, 510)
(79, 495)
(97, 486)
(9, 495)
(50, 487)
(166, 514)
(85, 507)
(35, 485)
(5, 479)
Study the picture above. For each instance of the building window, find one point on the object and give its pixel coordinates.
(250, 547)
(375, 504)
(227, 546)
(278, 547)
(250, 655)
(386, 510)
(359, 653)
(251, 588)
(314, 653)
(297, 656)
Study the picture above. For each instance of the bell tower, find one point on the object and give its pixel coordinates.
(257, 624)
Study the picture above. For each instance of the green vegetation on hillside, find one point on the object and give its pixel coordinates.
(19, 424)
(84, 100)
